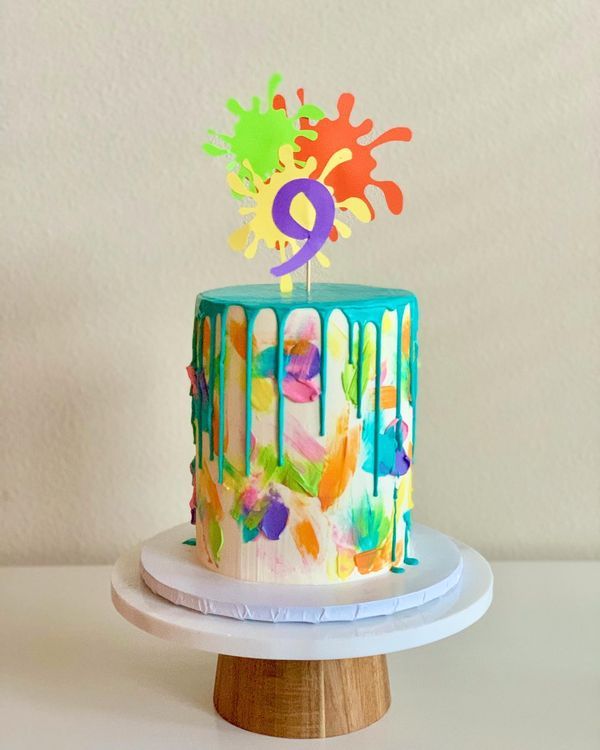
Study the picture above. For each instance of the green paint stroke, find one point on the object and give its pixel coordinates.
(301, 476)
(259, 134)
(191, 542)
(370, 523)
(215, 539)
(350, 372)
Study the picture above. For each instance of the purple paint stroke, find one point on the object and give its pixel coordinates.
(401, 463)
(275, 518)
(202, 384)
(306, 365)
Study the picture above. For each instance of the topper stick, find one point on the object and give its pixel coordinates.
(308, 280)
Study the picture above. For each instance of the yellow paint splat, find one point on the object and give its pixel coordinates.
(261, 228)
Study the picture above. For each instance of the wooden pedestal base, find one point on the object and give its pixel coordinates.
(302, 698)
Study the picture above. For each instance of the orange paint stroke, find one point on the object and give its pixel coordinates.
(306, 538)
(297, 347)
(211, 493)
(237, 335)
(388, 397)
(406, 335)
(340, 464)
(370, 560)
(206, 340)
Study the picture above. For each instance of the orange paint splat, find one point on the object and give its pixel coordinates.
(340, 464)
(306, 539)
(351, 179)
(370, 560)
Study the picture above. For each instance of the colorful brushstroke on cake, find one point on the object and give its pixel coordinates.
(300, 172)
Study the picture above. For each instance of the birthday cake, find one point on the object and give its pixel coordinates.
(303, 396)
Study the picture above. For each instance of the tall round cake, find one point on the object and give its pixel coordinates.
(303, 410)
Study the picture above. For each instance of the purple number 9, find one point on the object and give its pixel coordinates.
(316, 237)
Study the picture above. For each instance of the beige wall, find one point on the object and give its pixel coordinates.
(116, 220)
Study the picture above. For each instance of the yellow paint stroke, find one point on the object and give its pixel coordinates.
(263, 394)
(387, 323)
(337, 342)
(340, 464)
(345, 563)
(306, 538)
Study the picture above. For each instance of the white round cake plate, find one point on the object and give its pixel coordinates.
(171, 570)
(452, 612)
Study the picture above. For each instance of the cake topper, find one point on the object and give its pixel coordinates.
(300, 172)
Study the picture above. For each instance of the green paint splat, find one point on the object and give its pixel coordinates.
(258, 135)
(191, 542)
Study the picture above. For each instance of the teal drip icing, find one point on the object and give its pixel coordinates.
(414, 354)
(281, 319)
(250, 317)
(395, 569)
(399, 377)
(407, 532)
(351, 342)
(323, 397)
(222, 393)
(199, 364)
(211, 383)
(377, 420)
(359, 369)
(360, 305)
(394, 530)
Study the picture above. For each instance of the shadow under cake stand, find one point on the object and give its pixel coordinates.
(337, 681)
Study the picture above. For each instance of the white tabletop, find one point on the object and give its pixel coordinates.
(73, 674)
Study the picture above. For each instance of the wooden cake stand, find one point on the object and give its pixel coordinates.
(337, 681)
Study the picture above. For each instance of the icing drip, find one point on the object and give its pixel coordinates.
(222, 393)
(323, 397)
(211, 385)
(250, 317)
(414, 354)
(377, 408)
(399, 376)
(281, 319)
(359, 369)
